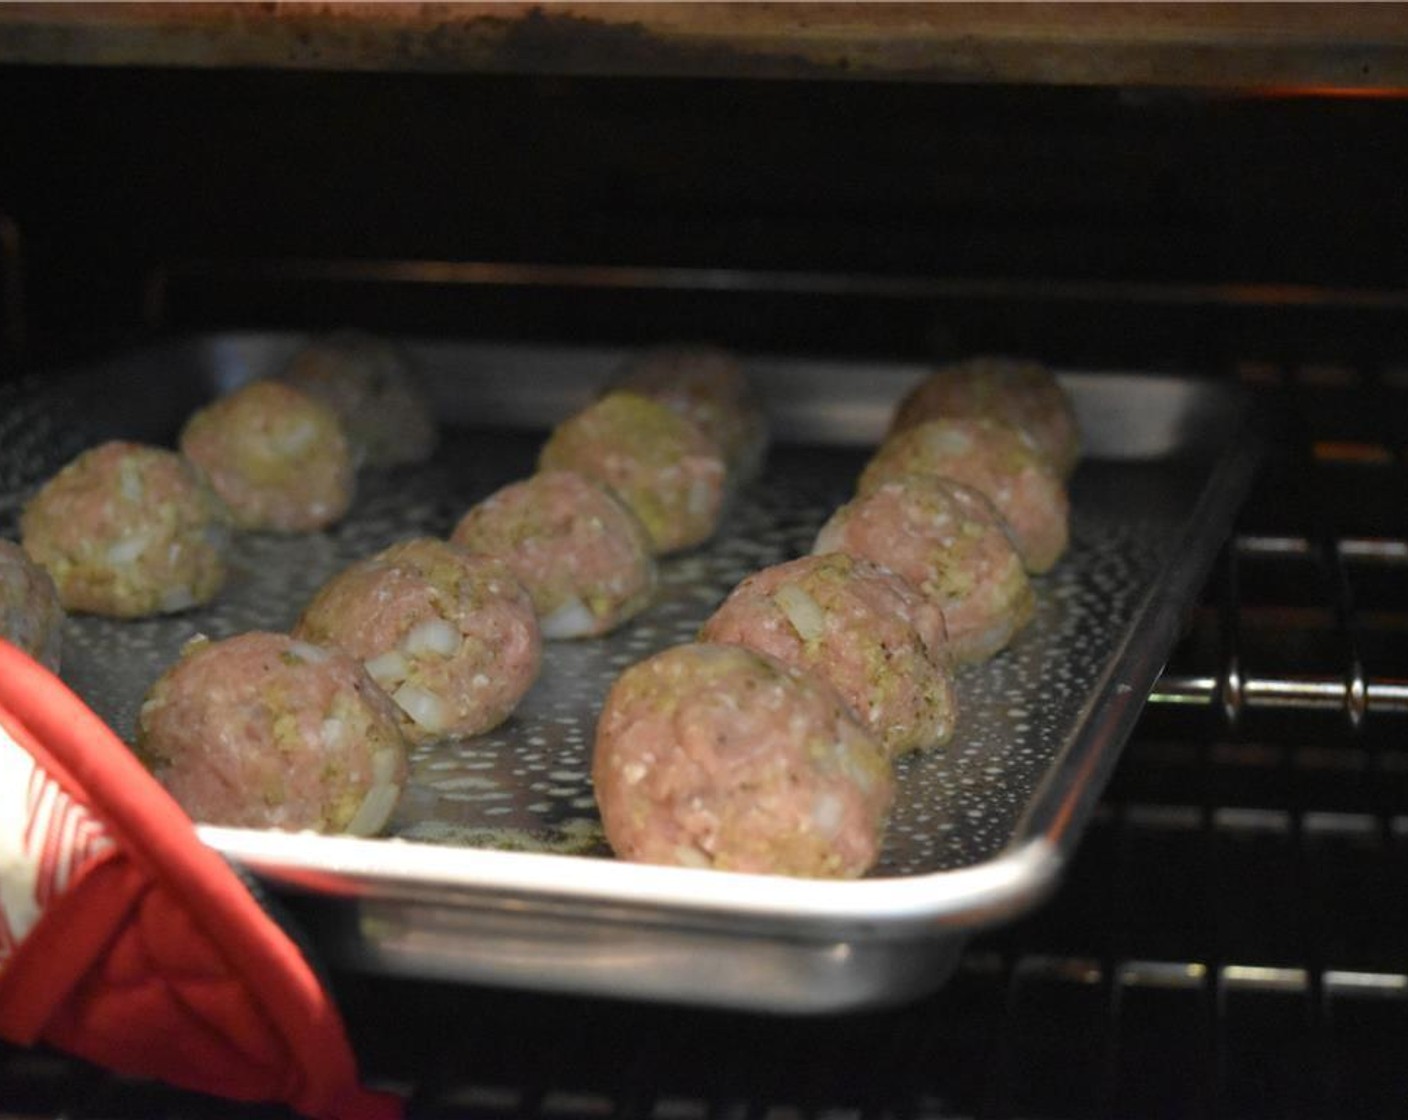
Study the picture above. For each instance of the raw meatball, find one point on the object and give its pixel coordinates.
(948, 542)
(451, 637)
(262, 731)
(278, 457)
(707, 385)
(31, 615)
(873, 637)
(720, 756)
(128, 530)
(1021, 393)
(582, 555)
(661, 465)
(371, 386)
(996, 459)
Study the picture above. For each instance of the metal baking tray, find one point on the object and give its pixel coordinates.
(496, 871)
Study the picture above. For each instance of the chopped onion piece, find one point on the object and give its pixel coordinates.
(334, 732)
(314, 655)
(573, 619)
(376, 809)
(805, 613)
(128, 548)
(690, 856)
(434, 635)
(385, 764)
(295, 439)
(949, 441)
(389, 669)
(129, 481)
(423, 707)
(827, 813)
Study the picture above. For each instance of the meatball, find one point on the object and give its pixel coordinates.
(661, 465)
(707, 385)
(1024, 394)
(278, 458)
(580, 553)
(263, 731)
(372, 387)
(31, 615)
(996, 459)
(720, 756)
(128, 530)
(948, 542)
(451, 637)
(878, 641)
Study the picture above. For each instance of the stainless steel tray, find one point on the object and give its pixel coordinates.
(497, 871)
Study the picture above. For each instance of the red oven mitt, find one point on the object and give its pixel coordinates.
(126, 941)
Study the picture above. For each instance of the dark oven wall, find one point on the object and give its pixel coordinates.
(139, 198)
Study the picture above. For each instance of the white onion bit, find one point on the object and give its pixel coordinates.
(334, 733)
(376, 809)
(827, 813)
(384, 767)
(805, 613)
(424, 708)
(128, 548)
(129, 481)
(314, 655)
(571, 620)
(690, 856)
(389, 669)
(947, 441)
(295, 439)
(434, 635)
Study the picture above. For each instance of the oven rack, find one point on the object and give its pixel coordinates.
(1352, 693)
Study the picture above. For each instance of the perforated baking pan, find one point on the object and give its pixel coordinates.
(496, 871)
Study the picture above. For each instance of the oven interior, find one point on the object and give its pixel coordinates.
(1232, 936)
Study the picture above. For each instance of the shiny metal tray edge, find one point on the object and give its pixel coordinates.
(573, 924)
(725, 939)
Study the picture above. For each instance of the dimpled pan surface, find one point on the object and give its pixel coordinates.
(495, 869)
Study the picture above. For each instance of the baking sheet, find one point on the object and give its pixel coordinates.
(498, 871)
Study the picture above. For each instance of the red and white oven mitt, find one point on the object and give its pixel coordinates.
(128, 942)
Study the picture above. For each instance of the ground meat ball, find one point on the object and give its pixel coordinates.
(372, 387)
(949, 543)
(720, 756)
(1021, 393)
(707, 385)
(262, 731)
(999, 461)
(582, 555)
(278, 457)
(451, 637)
(31, 615)
(878, 641)
(128, 530)
(662, 466)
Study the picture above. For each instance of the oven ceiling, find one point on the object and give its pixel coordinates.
(1349, 47)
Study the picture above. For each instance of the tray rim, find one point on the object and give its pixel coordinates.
(923, 905)
(800, 921)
